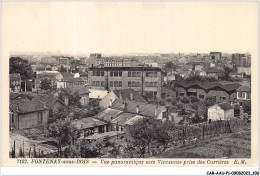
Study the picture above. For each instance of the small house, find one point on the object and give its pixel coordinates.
(221, 111)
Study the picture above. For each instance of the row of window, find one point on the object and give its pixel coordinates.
(241, 94)
(150, 84)
(202, 96)
(98, 73)
(115, 73)
(115, 83)
(98, 83)
(130, 73)
(133, 84)
(134, 74)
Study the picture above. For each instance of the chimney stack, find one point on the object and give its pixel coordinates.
(66, 100)
(120, 96)
(44, 105)
(125, 106)
(110, 103)
(131, 96)
(17, 108)
(137, 109)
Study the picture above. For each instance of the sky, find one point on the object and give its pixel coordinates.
(129, 27)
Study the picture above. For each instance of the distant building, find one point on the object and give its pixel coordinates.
(215, 56)
(241, 60)
(146, 80)
(222, 92)
(237, 75)
(15, 82)
(214, 73)
(53, 76)
(246, 70)
(93, 59)
(244, 93)
(221, 111)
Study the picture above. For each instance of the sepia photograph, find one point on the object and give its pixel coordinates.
(130, 81)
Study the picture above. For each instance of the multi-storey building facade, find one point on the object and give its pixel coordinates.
(146, 80)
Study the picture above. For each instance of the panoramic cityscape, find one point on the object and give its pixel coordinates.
(161, 105)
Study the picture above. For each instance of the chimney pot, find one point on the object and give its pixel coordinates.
(137, 109)
(131, 96)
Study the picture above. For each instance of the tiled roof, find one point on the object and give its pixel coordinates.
(15, 77)
(97, 94)
(125, 93)
(13, 95)
(121, 119)
(48, 99)
(25, 106)
(72, 80)
(134, 120)
(109, 114)
(224, 106)
(145, 109)
(244, 88)
(80, 89)
(88, 122)
(208, 85)
(66, 76)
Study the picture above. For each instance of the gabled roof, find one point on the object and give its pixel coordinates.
(134, 120)
(13, 95)
(109, 114)
(145, 109)
(48, 99)
(80, 89)
(125, 93)
(209, 85)
(66, 76)
(97, 94)
(25, 106)
(121, 119)
(224, 106)
(244, 88)
(88, 122)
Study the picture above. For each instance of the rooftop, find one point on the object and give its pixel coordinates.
(209, 85)
(145, 109)
(224, 106)
(88, 122)
(127, 68)
(80, 89)
(97, 94)
(48, 99)
(25, 106)
(109, 114)
(126, 94)
(244, 88)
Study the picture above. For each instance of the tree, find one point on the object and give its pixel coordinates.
(209, 101)
(18, 65)
(45, 84)
(74, 98)
(193, 99)
(143, 132)
(247, 107)
(170, 65)
(226, 74)
(62, 69)
(164, 133)
(64, 133)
